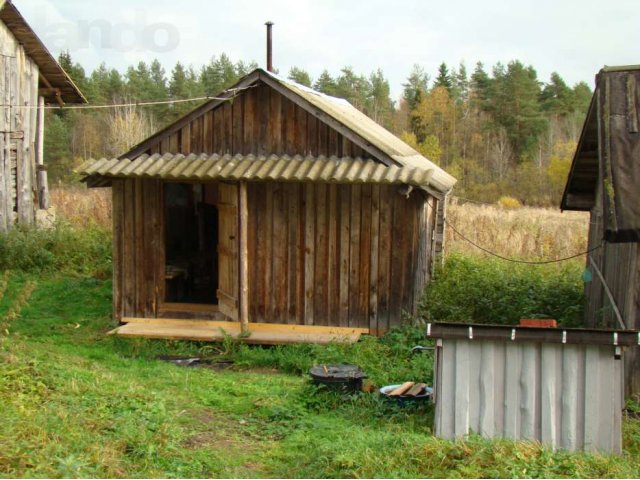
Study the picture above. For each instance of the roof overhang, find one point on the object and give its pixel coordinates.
(55, 83)
(580, 190)
(208, 168)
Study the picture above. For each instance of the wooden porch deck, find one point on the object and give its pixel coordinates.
(215, 331)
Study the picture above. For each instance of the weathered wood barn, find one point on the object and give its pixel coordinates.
(605, 180)
(29, 77)
(271, 204)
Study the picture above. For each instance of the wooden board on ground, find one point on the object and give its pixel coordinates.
(212, 331)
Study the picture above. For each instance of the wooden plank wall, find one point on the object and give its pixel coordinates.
(18, 131)
(619, 264)
(262, 122)
(340, 255)
(138, 247)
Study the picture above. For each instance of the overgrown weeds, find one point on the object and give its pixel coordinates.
(487, 290)
(64, 248)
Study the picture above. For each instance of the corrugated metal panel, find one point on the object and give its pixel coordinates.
(253, 168)
(368, 129)
(566, 396)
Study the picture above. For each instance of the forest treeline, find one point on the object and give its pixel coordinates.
(501, 131)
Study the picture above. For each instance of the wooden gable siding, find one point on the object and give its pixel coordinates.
(259, 121)
(340, 255)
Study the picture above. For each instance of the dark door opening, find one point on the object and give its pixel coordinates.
(191, 239)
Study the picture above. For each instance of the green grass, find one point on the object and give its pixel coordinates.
(76, 403)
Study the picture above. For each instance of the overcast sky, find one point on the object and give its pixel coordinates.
(573, 37)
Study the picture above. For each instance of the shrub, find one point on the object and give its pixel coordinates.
(488, 290)
(509, 203)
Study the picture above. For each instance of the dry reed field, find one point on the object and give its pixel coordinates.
(524, 233)
(79, 205)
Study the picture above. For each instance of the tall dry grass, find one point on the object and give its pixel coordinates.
(79, 205)
(523, 233)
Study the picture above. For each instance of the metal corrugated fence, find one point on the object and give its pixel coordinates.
(256, 168)
(568, 396)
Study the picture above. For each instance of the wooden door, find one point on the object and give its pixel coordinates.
(228, 250)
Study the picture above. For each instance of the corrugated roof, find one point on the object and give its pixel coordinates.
(256, 168)
(48, 66)
(352, 118)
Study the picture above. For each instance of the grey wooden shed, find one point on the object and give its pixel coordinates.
(605, 180)
(562, 387)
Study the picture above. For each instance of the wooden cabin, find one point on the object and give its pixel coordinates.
(270, 205)
(605, 180)
(29, 77)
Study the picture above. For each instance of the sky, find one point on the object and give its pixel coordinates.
(572, 37)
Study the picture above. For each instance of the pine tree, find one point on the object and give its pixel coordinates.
(444, 78)
(326, 84)
(300, 76)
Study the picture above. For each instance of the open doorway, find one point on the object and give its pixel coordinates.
(191, 240)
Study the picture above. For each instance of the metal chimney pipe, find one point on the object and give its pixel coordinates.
(269, 47)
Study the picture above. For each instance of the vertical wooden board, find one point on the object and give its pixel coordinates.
(217, 130)
(196, 141)
(293, 250)
(249, 117)
(117, 216)
(332, 143)
(237, 134)
(207, 133)
(409, 250)
(365, 256)
(262, 274)
(346, 147)
(384, 258)
(161, 248)
(175, 142)
(128, 250)
(301, 256)
(263, 144)
(344, 239)
(373, 258)
(289, 126)
(309, 252)
(355, 313)
(253, 252)
(312, 136)
(280, 257)
(397, 263)
(151, 210)
(275, 145)
(140, 246)
(301, 131)
(269, 297)
(323, 138)
(321, 310)
(243, 254)
(333, 257)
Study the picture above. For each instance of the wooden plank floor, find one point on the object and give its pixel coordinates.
(213, 331)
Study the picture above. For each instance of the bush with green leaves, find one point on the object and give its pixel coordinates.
(491, 290)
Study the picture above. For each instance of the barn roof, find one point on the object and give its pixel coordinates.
(53, 78)
(336, 112)
(608, 154)
(253, 168)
